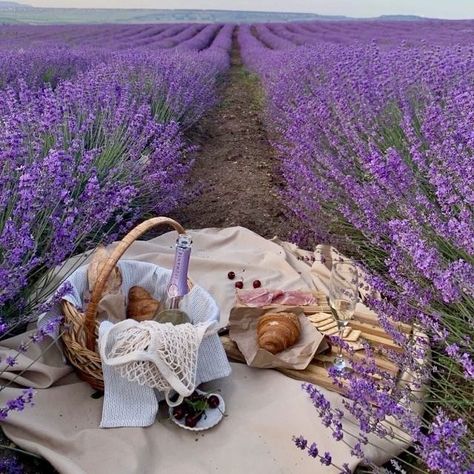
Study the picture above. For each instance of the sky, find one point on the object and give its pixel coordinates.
(355, 8)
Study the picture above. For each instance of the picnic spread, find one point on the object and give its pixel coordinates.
(205, 344)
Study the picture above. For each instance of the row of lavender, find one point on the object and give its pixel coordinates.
(104, 36)
(88, 154)
(386, 34)
(40, 55)
(376, 143)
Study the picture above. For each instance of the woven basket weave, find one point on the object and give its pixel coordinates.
(82, 329)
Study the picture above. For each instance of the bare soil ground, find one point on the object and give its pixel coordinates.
(235, 163)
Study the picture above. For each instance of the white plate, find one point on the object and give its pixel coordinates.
(210, 418)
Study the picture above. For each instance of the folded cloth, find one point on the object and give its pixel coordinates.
(125, 403)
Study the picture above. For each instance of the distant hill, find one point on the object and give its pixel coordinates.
(13, 6)
(14, 12)
(401, 17)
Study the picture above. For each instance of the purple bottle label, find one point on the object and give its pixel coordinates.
(178, 285)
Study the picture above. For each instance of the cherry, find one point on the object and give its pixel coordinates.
(213, 401)
(179, 412)
(231, 275)
(192, 420)
(239, 284)
(257, 284)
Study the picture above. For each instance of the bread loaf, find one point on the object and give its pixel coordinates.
(277, 331)
(98, 261)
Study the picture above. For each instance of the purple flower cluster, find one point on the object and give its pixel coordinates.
(11, 465)
(17, 404)
(49, 65)
(312, 450)
(376, 146)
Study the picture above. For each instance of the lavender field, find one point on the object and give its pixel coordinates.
(371, 130)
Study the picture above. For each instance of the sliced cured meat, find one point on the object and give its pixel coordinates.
(296, 298)
(259, 297)
(256, 297)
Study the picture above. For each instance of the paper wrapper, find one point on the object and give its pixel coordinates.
(243, 331)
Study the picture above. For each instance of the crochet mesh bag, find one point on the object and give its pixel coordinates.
(161, 356)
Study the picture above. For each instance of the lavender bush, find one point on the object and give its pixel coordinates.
(46, 65)
(86, 160)
(376, 148)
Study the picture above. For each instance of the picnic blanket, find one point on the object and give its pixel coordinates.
(265, 408)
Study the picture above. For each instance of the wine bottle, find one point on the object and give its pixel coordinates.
(178, 284)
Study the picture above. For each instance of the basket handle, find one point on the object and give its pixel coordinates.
(123, 245)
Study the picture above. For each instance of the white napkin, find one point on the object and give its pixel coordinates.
(125, 403)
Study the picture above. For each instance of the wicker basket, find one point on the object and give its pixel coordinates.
(81, 329)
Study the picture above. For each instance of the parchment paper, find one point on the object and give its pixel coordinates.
(243, 322)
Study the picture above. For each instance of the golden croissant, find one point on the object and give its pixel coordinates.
(277, 331)
(141, 305)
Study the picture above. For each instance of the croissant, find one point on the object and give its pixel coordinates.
(277, 331)
(141, 305)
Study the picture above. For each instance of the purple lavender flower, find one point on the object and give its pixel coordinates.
(11, 465)
(300, 442)
(10, 361)
(3, 327)
(17, 404)
(313, 450)
(346, 469)
(326, 459)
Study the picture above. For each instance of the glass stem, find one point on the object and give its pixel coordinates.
(341, 327)
(339, 361)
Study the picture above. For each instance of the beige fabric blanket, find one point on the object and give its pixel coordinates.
(264, 407)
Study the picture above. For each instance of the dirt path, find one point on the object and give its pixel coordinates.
(235, 163)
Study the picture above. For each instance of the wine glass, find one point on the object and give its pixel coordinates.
(343, 297)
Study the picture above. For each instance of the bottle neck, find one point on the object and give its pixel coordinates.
(178, 285)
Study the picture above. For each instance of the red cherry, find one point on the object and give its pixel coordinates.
(213, 401)
(192, 420)
(179, 412)
(231, 275)
(257, 284)
(239, 284)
